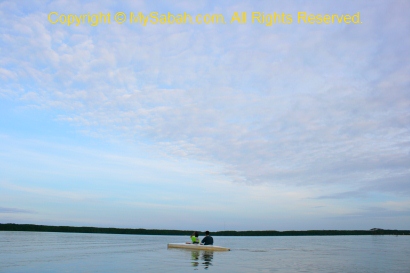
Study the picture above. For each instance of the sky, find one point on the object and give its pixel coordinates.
(205, 125)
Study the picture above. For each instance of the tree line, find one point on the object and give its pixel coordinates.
(141, 231)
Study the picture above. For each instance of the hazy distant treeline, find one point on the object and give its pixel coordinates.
(141, 231)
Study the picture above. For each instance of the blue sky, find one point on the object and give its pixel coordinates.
(218, 126)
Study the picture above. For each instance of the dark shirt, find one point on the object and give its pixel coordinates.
(208, 240)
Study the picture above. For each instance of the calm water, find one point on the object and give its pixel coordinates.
(67, 252)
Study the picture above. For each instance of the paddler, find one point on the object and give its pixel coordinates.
(207, 240)
(194, 237)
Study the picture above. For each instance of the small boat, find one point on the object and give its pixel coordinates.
(198, 247)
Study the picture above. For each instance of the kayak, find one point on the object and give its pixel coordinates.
(198, 247)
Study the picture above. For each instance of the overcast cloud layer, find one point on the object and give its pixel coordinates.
(323, 110)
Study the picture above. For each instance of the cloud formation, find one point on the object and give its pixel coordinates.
(14, 210)
(309, 106)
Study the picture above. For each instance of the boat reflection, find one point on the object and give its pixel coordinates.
(203, 258)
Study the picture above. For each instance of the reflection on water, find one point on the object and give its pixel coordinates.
(37, 252)
(202, 257)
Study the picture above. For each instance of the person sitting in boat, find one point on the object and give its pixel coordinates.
(194, 237)
(207, 240)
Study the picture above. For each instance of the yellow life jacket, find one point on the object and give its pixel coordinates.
(194, 239)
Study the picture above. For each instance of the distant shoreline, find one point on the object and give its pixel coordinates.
(141, 231)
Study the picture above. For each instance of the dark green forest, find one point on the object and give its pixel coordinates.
(141, 231)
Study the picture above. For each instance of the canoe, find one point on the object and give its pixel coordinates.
(198, 247)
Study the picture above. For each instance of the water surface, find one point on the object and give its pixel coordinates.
(74, 252)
